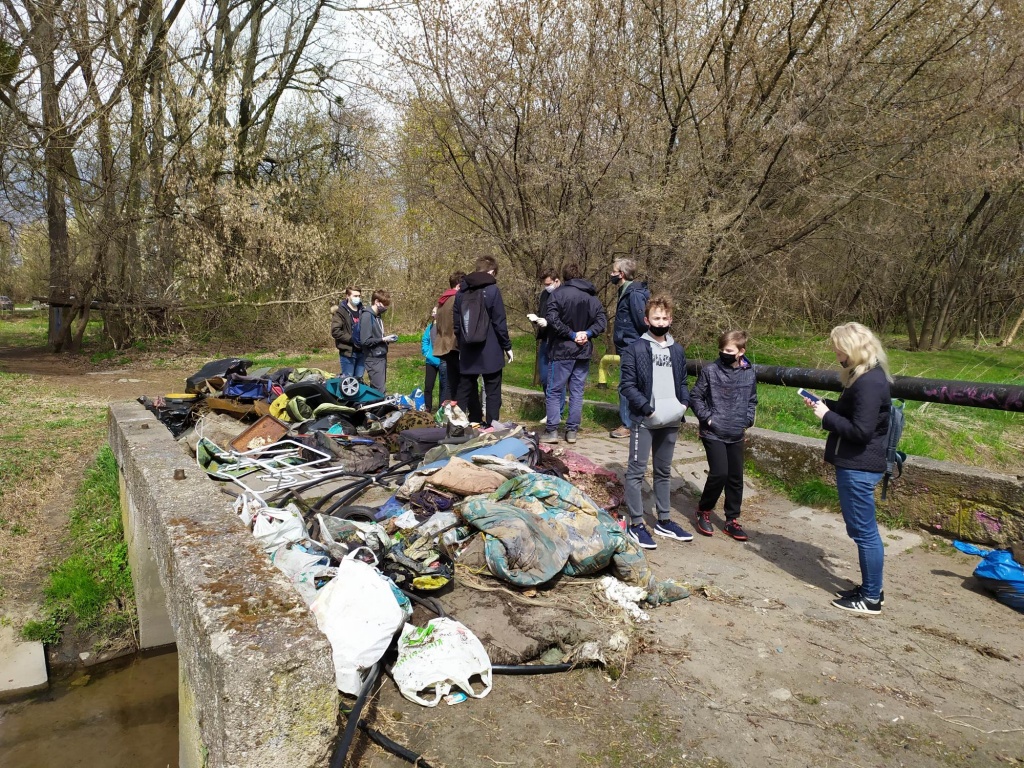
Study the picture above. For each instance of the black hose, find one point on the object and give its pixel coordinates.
(432, 604)
(531, 669)
(344, 744)
(393, 747)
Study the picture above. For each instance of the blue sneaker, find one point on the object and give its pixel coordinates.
(671, 530)
(641, 536)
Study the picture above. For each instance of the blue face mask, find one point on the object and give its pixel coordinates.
(355, 301)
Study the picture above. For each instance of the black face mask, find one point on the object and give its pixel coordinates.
(615, 279)
(382, 310)
(659, 330)
(726, 358)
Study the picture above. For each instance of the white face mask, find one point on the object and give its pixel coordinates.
(551, 288)
(355, 301)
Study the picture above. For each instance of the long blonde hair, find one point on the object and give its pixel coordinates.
(863, 349)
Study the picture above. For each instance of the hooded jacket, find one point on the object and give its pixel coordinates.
(630, 310)
(487, 356)
(574, 307)
(858, 423)
(371, 334)
(444, 324)
(724, 400)
(636, 381)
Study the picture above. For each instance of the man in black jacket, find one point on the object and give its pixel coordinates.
(550, 283)
(630, 324)
(575, 316)
(487, 358)
(345, 332)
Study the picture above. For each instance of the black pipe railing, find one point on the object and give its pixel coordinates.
(974, 394)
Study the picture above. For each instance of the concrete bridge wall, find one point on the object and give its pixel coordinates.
(945, 498)
(257, 685)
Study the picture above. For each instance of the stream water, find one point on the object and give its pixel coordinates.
(122, 716)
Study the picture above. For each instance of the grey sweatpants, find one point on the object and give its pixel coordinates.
(377, 371)
(641, 442)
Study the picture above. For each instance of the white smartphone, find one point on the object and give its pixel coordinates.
(809, 395)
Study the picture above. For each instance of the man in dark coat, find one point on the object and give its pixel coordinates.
(575, 316)
(630, 324)
(484, 359)
(345, 332)
(445, 346)
(374, 341)
(550, 282)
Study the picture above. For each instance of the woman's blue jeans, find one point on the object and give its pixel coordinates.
(857, 501)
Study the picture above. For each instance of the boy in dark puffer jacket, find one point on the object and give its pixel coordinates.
(725, 400)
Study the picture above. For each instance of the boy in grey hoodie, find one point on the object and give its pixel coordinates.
(653, 382)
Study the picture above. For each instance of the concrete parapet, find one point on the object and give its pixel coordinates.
(968, 503)
(257, 681)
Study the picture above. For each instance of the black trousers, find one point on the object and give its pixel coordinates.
(492, 396)
(453, 390)
(725, 462)
(430, 375)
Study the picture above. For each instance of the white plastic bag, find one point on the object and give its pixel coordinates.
(302, 568)
(360, 615)
(434, 658)
(273, 527)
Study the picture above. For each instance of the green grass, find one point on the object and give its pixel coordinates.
(92, 587)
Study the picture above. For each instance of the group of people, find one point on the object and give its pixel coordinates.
(467, 340)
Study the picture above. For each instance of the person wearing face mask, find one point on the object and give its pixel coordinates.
(374, 340)
(550, 283)
(575, 316)
(435, 367)
(858, 427)
(653, 384)
(345, 332)
(725, 402)
(633, 296)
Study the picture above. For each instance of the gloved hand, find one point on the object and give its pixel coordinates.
(391, 337)
(508, 355)
(542, 322)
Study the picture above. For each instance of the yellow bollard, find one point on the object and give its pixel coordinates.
(602, 370)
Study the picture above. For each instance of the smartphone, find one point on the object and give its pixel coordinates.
(809, 395)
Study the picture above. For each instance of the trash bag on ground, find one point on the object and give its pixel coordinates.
(999, 573)
(435, 658)
(360, 614)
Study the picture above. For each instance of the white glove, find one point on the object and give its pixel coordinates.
(508, 356)
(391, 337)
(542, 322)
(532, 317)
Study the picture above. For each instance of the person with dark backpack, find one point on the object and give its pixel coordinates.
(481, 332)
(858, 428)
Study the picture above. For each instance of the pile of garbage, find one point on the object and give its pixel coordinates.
(455, 495)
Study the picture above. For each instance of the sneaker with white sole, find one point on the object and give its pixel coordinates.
(671, 530)
(859, 604)
(856, 592)
(641, 536)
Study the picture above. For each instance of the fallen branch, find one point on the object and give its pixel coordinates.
(980, 730)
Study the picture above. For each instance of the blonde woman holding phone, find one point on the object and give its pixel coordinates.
(858, 425)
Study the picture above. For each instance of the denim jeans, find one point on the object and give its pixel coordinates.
(624, 413)
(353, 366)
(571, 375)
(857, 501)
(544, 370)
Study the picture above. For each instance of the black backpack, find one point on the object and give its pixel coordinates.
(475, 317)
(894, 458)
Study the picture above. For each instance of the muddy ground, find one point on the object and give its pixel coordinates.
(754, 669)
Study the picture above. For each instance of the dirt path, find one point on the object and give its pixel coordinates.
(754, 669)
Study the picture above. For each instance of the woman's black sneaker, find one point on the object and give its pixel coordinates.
(855, 592)
(859, 604)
